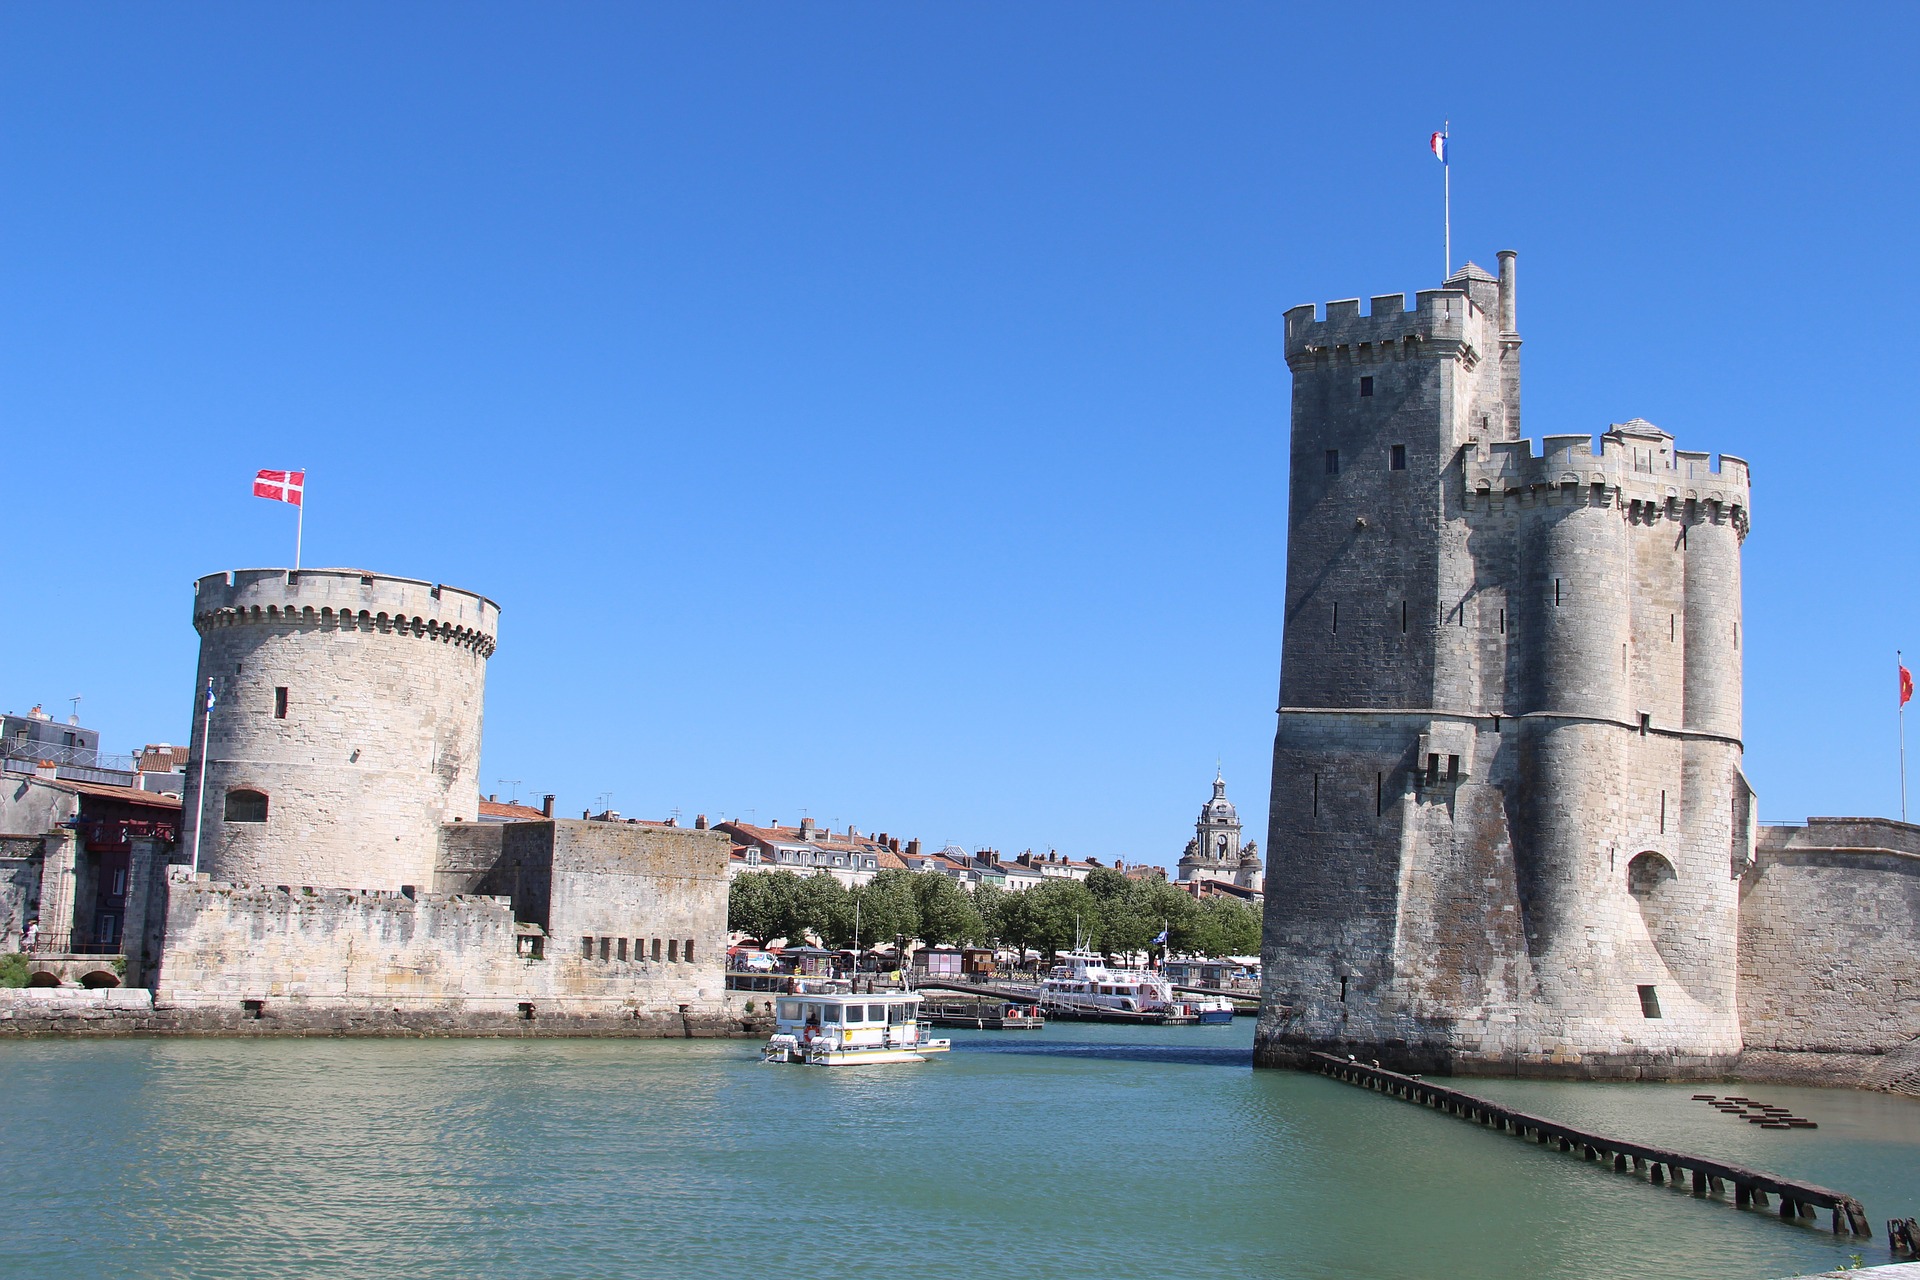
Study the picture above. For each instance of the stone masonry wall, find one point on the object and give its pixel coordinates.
(1829, 936)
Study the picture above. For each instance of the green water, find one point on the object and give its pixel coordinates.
(1080, 1151)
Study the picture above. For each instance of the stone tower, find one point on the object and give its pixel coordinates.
(1507, 810)
(345, 727)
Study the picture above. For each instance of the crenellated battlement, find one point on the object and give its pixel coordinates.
(1447, 316)
(1636, 463)
(346, 600)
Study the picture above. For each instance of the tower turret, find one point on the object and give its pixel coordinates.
(345, 728)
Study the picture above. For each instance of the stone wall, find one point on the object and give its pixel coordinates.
(1829, 938)
(611, 894)
(374, 744)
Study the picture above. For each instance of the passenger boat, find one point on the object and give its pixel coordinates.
(1084, 984)
(842, 1030)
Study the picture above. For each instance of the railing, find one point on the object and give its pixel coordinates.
(54, 753)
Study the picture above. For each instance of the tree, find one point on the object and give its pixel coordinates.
(887, 908)
(946, 913)
(750, 905)
(988, 903)
(1054, 915)
(1121, 908)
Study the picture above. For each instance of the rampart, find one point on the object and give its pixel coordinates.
(1636, 463)
(1446, 316)
(1829, 914)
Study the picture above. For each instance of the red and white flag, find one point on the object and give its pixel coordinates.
(1906, 685)
(280, 486)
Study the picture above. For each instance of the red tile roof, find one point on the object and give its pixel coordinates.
(511, 812)
(125, 795)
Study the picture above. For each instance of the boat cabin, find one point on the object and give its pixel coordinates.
(850, 1021)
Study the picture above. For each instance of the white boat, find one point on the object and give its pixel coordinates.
(842, 1030)
(1085, 983)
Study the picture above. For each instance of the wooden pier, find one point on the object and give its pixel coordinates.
(1750, 1187)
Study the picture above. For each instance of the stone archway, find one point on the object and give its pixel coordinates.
(41, 978)
(100, 978)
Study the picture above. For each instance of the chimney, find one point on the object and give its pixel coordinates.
(806, 828)
(493, 797)
(1508, 304)
(585, 814)
(894, 844)
(699, 822)
(46, 769)
(546, 806)
(913, 847)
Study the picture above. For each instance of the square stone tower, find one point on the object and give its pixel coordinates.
(1507, 811)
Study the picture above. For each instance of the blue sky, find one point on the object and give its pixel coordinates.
(878, 411)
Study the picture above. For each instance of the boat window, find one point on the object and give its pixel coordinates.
(856, 1013)
(898, 1013)
(813, 1013)
(876, 1013)
(790, 1010)
(830, 1013)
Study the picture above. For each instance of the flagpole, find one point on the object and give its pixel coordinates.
(300, 522)
(1902, 666)
(1446, 185)
(200, 801)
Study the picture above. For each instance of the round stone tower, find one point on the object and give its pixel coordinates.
(345, 726)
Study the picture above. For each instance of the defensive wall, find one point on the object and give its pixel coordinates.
(345, 728)
(599, 923)
(1829, 929)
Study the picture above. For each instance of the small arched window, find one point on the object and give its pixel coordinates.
(246, 806)
(1648, 875)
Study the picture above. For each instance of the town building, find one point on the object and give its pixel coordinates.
(853, 859)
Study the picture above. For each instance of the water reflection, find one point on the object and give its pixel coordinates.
(1091, 1152)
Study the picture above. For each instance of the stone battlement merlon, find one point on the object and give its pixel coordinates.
(346, 599)
(1438, 315)
(1636, 460)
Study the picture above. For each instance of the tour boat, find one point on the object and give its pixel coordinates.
(1084, 984)
(842, 1030)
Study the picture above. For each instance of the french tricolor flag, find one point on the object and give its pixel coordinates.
(1438, 144)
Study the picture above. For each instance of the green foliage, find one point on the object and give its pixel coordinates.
(889, 908)
(750, 904)
(1043, 917)
(946, 913)
(13, 970)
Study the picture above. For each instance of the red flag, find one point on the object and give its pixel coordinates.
(1906, 686)
(281, 486)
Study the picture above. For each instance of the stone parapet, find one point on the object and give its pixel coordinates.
(1637, 463)
(346, 600)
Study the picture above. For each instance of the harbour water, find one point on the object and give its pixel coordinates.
(1082, 1151)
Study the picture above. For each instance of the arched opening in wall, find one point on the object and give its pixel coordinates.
(44, 979)
(1649, 876)
(100, 978)
(1655, 888)
(244, 805)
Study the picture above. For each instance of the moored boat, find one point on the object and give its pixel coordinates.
(838, 1029)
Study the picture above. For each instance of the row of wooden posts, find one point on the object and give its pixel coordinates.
(1751, 1187)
